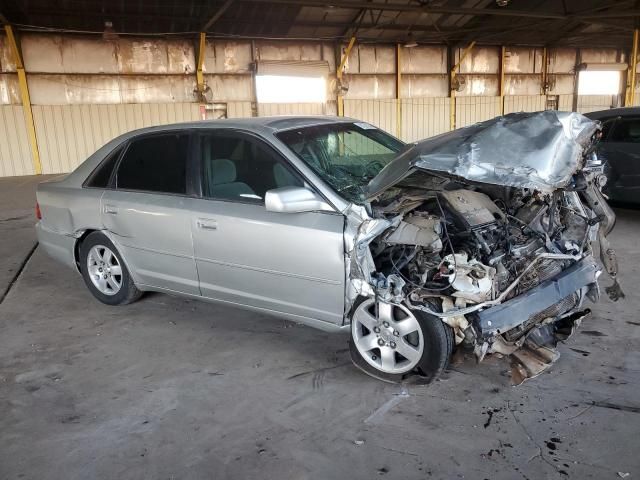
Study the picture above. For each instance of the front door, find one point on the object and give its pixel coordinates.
(148, 212)
(283, 262)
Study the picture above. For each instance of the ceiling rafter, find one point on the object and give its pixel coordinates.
(214, 18)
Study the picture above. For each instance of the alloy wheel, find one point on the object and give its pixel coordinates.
(388, 336)
(104, 270)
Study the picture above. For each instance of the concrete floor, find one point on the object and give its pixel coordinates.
(170, 388)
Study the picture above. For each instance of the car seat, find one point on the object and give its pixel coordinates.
(221, 179)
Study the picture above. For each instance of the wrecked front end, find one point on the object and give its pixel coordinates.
(490, 229)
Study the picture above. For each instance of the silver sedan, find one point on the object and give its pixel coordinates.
(478, 238)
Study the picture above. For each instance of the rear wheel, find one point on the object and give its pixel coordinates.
(393, 343)
(104, 272)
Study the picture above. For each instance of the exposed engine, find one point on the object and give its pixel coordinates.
(462, 247)
(490, 230)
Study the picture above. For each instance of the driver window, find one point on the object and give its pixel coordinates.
(237, 168)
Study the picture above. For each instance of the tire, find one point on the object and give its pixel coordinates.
(431, 340)
(104, 271)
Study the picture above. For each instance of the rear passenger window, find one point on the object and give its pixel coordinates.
(237, 168)
(101, 175)
(157, 163)
(626, 130)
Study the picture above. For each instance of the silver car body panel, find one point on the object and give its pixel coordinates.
(152, 232)
(288, 262)
(160, 241)
(540, 150)
(308, 267)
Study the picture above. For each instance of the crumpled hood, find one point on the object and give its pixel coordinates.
(539, 150)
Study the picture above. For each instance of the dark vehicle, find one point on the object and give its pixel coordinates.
(620, 148)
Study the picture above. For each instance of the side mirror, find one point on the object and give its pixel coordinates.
(294, 200)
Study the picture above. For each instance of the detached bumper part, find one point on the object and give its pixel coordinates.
(538, 352)
(508, 315)
(535, 351)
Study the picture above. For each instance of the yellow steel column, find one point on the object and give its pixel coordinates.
(343, 61)
(543, 84)
(398, 88)
(201, 50)
(452, 93)
(26, 99)
(631, 77)
(502, 62)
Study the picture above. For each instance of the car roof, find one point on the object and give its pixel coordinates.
(276, 123)
(613, 112)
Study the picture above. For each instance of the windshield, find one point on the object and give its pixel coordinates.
(345, 155)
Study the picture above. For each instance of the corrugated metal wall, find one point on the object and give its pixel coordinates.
(424, 117)
(593, 103)
(381, 113)
(68, 134)
(470, 110)
(269, 109)
(524, 103)
(239, 110)
(15, 154)
(85, 91)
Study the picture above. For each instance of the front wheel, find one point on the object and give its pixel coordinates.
(392, 343)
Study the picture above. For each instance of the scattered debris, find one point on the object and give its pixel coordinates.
(490, 413)
(584, 353)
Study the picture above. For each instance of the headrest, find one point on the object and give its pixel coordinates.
(224, 171)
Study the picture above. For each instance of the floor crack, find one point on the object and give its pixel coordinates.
(15, 278)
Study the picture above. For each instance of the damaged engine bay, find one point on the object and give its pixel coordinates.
(499, 246)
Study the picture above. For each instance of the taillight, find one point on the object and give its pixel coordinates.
(38, 213)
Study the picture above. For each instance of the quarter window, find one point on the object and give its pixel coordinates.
(100, 177)
(237, 168)
(156, 163)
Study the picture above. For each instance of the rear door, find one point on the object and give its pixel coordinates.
(284, 262)
(148, 214)
(620, 147)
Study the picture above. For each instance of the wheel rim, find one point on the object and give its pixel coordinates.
(388, 336)
(104, 270)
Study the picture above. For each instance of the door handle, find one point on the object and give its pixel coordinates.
(207, 224)
(110, 209)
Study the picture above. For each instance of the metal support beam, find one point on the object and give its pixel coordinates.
(544, 86)
(339, 73)
(576, 80)
(214, 18)
(199, 74)
(452, 93)
(26, 99)
(398, 90)
(403, 7)
(631, 77)
(502, 65)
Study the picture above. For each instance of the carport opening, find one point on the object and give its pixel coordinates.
(291, 89)
(599, 82)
